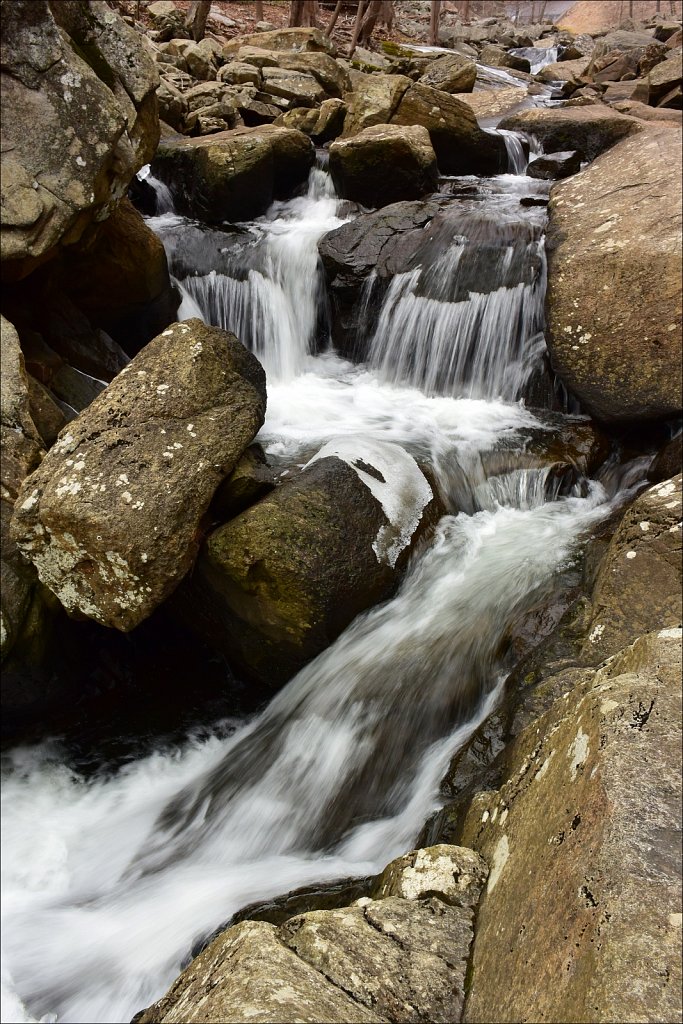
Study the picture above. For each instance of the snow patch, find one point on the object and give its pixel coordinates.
(397, 483)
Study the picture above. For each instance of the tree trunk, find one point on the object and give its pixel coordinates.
(517, 6)
(541, 13)
(303, 13)
(374, 10)
(195, 21)
(258, 14)
(356, 26)
(630, 9)
(466, 11)
(434, 23)
(333, 19)
(532, 16)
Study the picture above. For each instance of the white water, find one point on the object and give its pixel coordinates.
(109, 881)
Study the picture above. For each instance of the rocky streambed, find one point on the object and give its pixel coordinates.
(341, 532)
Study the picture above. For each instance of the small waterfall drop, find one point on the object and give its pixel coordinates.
(275, 307)
(162, 193)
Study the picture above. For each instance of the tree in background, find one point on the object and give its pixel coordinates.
(195, 22)
(303, 13)
(434, 23)
(376, 10)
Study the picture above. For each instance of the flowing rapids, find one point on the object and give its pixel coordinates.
(110, 881)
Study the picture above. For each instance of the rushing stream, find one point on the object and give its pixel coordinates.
(110, 880)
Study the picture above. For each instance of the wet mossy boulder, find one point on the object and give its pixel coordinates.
(234, 175)
(276, 585)
(590, 130)
(111, 518)
(359, 165)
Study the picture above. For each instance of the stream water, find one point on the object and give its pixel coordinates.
(110, 880)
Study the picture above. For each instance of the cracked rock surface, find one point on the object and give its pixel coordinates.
(388, 959)
(111, 519)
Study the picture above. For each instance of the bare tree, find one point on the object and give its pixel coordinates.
(195, 22)
(434, 23)
(532, 16)
(333, 20)
(258, 14)
(356, 26)
(376, 10)
(303, 13)
(541, 13)
(466, 11)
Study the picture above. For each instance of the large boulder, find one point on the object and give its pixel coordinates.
(580, 919)
(111, 518)
(564, 71)
(372, 100)
(120, 279)
(665, 78)
(79, 118)
(452, 73)
(297, 39)
(460, 145)
(234, 175)
(401, 956)
(638, 587)
(301, 88)
(359, 165)
(614, 283)
(495, 102)
(590, 130)
(277, 584)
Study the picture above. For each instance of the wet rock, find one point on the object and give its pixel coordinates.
(277, 584)
(359, 165)
(74, 388)
(497, 57)
(120, 281)
(554, 165)
(460, 145)
(668, 461)
(251, 479)
(50, 194)
(382, 243)
(373, 100)
(234, 175)
(110, 519)
(452, 73)
(393, 958)
(590, 130)
(603, 900)
(621, 358)
(638, 587)
(563, 71)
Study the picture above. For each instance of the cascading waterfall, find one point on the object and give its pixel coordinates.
(441, 331)
(110, 881)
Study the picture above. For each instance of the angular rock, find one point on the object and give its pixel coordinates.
(276, 585)
(234, 175)
(668, 462)
(494, 103)
(614, 285)
(239, 73)
(322, 124)
(590, 798)
(110, 520)
(359, 165)
(394, 958)
(590, 130)
(554, 165)
(249, 974)
(373, 100)
(72, 139)
(663, 78)
(45, 413)
(497, 57)
(297, 39)
(301, 88)
(450, 74)
(328, 72)
(637, 90)
(638, 588)
(645, 113)
(563, 71)
(460, 145)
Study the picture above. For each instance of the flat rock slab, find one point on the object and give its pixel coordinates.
(614, 280)
(581, 918)
(590, 130)
(110, 519)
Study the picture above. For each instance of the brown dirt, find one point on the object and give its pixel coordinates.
(600, 15)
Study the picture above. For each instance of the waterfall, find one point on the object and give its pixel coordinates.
(274, 309)
(517, 158)
(440, 330)
(162, 193)
(110, 880)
